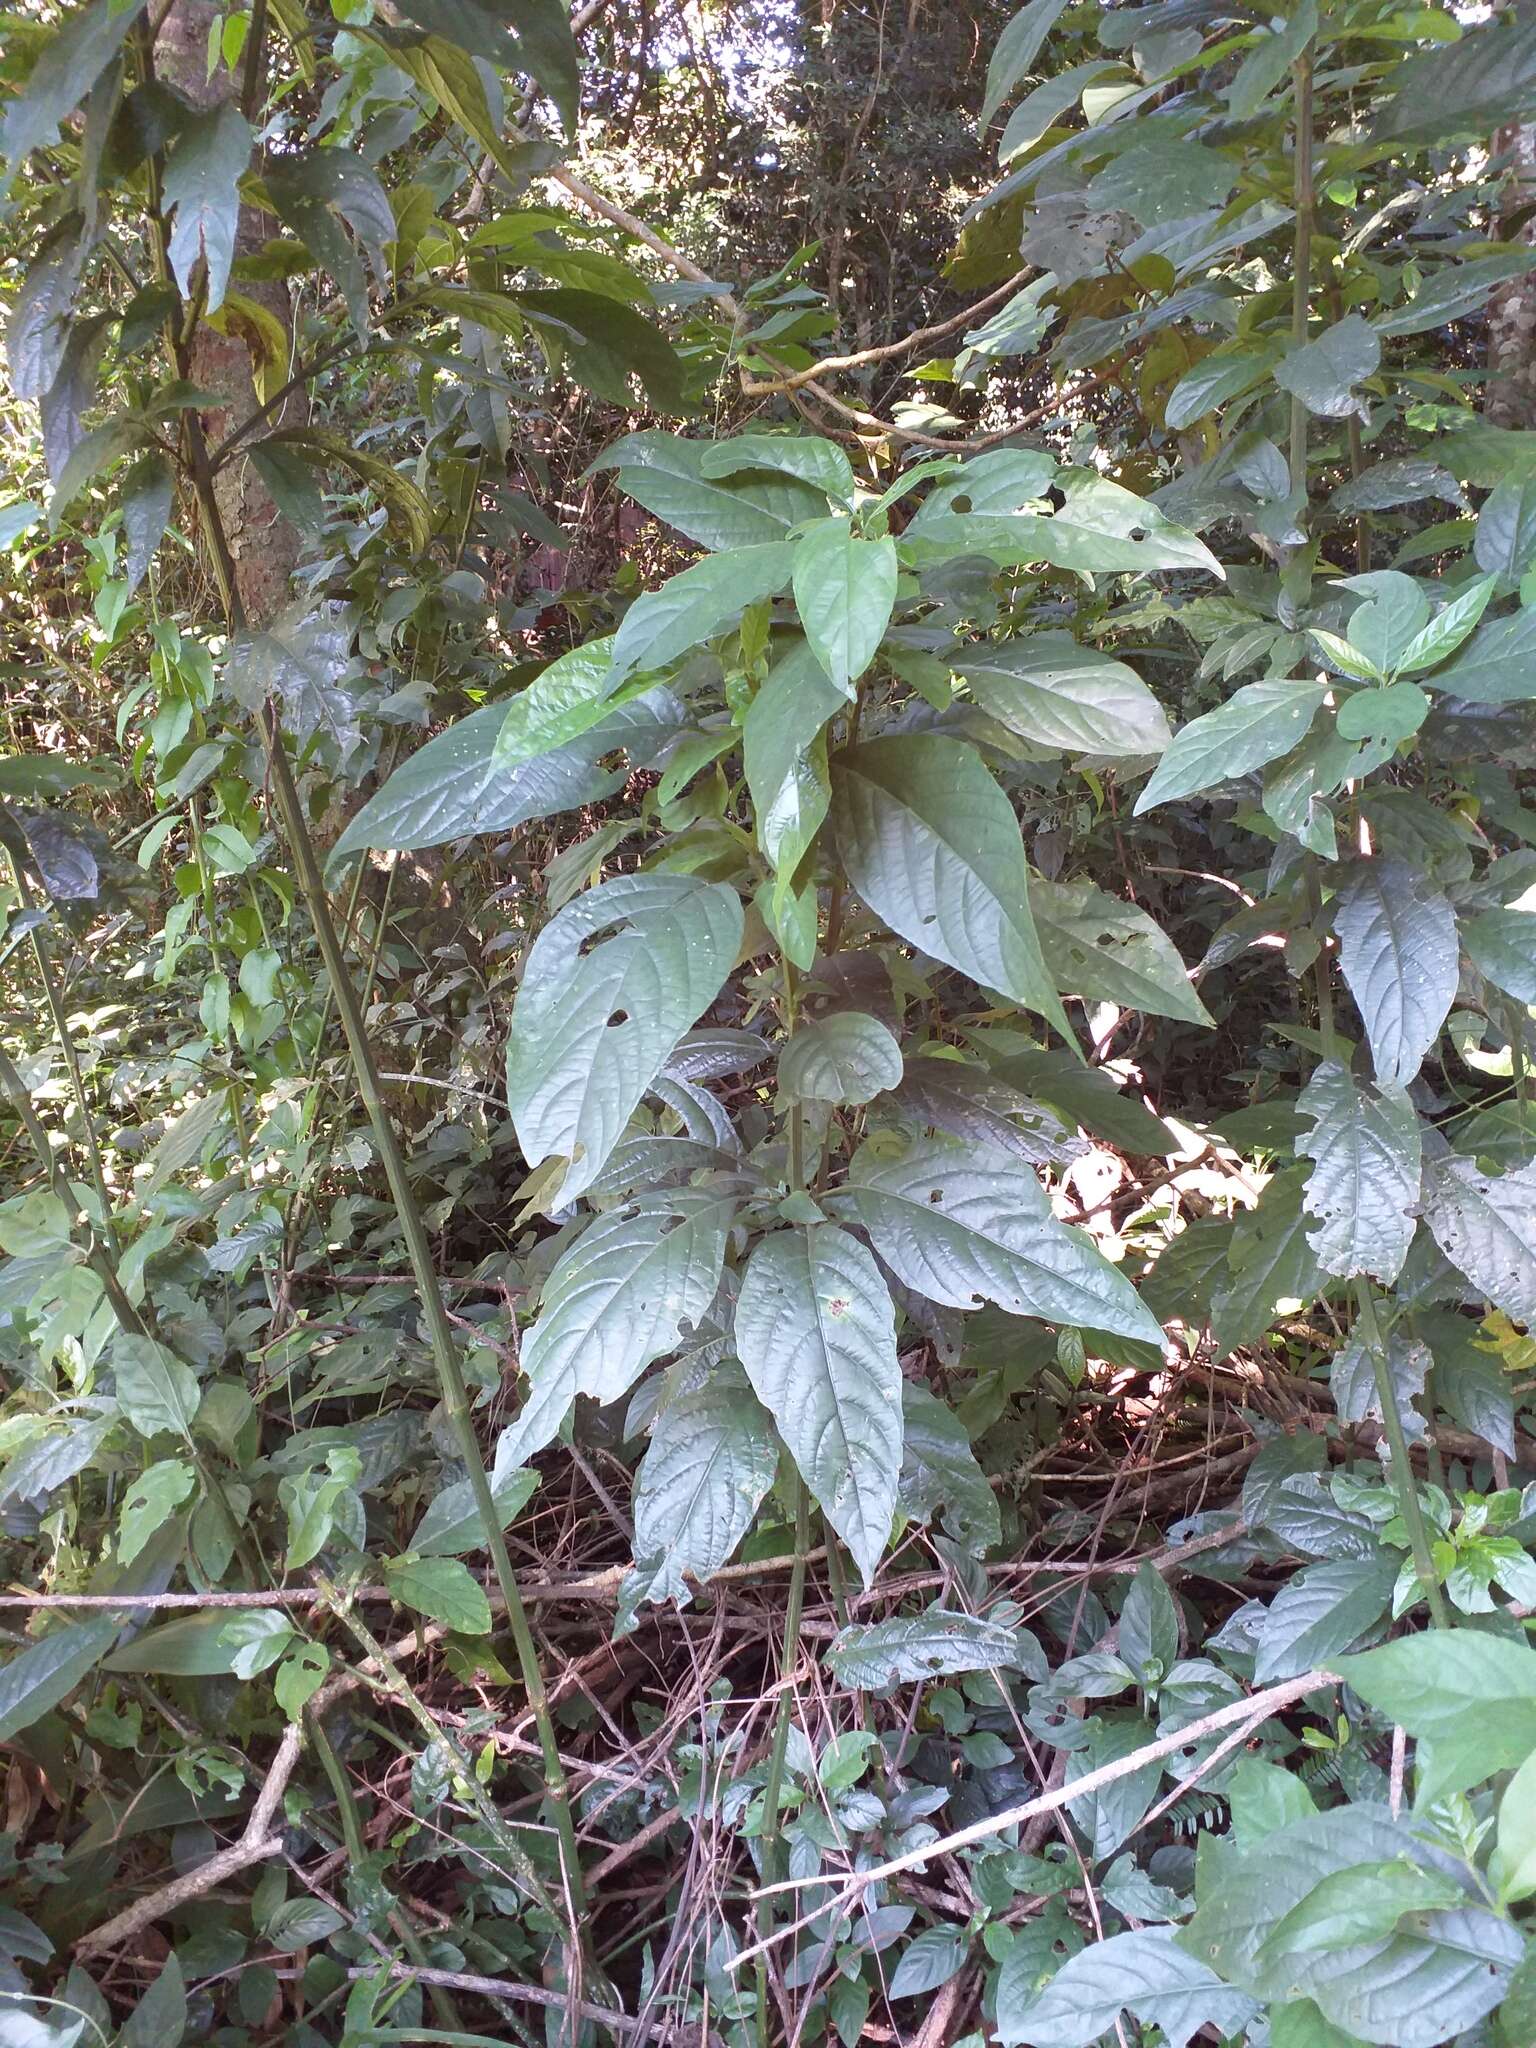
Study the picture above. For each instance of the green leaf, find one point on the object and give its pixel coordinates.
(1480, 82)
(160, 2018)
(255, 1639)
(1364, 1185)
(846, 1057)
(710, 1461)
(1384, 717)
(939, 1471)
(149, 491)
(1055, 694)
(300, 660)
(35, 1226)
(1256, 725)
(785, 755)
(300, 1676)
(963, 1225)
(1453, 290)
(874, 1656)
(1323, 373)
(1497, 665)
(1226, 373)
(844, 590)
(1264, 1797)
(1270, 1261)
(1486, 1226)
(301, 1923)
(666, 474)
(37, 333)
(194, 1647)
(442, 1589)
(1149, 1625)
(1470, 1696)
(156, 1392)
(153, 1497)
(1142, 1972)
(537, 39)
(37, 1678)
(1162, 180)
(1363, 1904)
(1319, 1613)
(1100, 528)
(817, 1334)
(1014, 54)
(696, 604)
(928, 1961)
(69, 66)
(202, 185)
(1279, 44)
(1501, 944)
(1398, 954)
(1513, 1869)
(1105, 950)
(622, 1294)
(451, 1526)
(932, 845)
(596, 1016)
(562, 702)
(814, 461)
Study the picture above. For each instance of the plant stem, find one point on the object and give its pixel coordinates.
(1402, 1467)
(1301, 281)
(771, 1838)
(413, 1228)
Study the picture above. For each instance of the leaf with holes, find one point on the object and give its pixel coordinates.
(1364, 1185)
(963, 1226)
(1398, 953)
(609, 988)
(1486, 1226)
(816, 1332)
(933, 846)
(1105, 950)
(1054, 693)
(874, 1656)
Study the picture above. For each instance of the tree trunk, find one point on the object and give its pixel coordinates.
(262, 543)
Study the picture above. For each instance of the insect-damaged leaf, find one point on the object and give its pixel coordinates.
(1364, 1185)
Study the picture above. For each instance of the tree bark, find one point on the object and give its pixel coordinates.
(263, 544)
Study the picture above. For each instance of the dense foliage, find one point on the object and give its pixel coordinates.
(769, 1232)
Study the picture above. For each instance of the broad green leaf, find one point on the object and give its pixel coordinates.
(1344, 657)
(875, 1656)
(37, 1678)
(932, 845)
(79, 51)
(442, 1589)
(160, 2018)
(1319, 1613)
(1384, 717)
(255, 1638)
(1101, 528)
(1501, 944)
(52, 1460)
(451, 788)
(696, 604)
(1453, 290)
(1263, 1798)
(156, 1392)
(535, 37)
(1497, 665)
(37, 332)
(1427, 1983)
(1039, 111)
(300, 1676)
(1149, 1625)
(609, 988)
(1514, 1860)
(1054, 693)
(815, 461)
(710, 1461)
(1486, 78)
(604, 343)
(846, 1057)
(149, 491)
(1105, 950)
(785, 755)
(151, 1500)
(1364, 1185)
(35, 1226)
(969, 1102)
(1270, 1261)
(1266, 65)
(194, 1647)
(1323, 373)
(939, 1472)
(1001, 480)
(301, 1923)
(1256, 725)
(1401, 480)
(816, 1332)
(1471, 1697)
(301, 660)
(623, 1293)
(451, 1526)
(928, 1961)
(1505, 542)
(1163, 179)
(665, 473)
(1224, 374)
(202, 184)
(561, 703)
(1398, 954)
(1363, 1903)
(1014, 53)
(963, 1226)
(844, 592)
(1486, 1226)
(1141, 1972)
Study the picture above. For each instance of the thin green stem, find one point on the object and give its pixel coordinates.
(771, 1838)
(1402, 1467)
(1301, 281)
